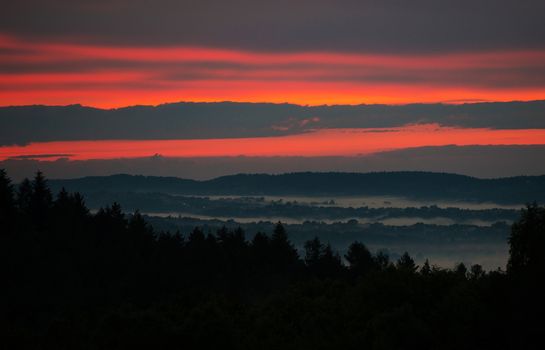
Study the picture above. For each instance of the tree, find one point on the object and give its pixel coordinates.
(526, 269)
(261, 252)
(279, 236)
(406, 263)
(222, 234)
(476, 271)
(313, 252)
(62, 206)
(461, 270)
(527, 242)
(330, 262)
(260, 242)
(196, 237)
(360, 258)
(111, 218)
(94, 286)
(321, 259)
(41, 201)
(382, 260)
(426, 268)
(141, 233)
(284, 252)
(24, 196)
(7, 202)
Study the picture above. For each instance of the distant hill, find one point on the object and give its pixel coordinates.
(418, 185)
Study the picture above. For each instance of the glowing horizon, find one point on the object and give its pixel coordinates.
(325, 142)
(63, 73)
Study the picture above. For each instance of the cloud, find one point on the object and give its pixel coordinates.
(42, 156)
(113, 76)
(315, 143)
(350, 25)
(22, 125)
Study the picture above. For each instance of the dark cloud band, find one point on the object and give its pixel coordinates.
(21, 125)
(286, 25)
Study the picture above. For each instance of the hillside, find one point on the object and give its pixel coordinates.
(421, 185)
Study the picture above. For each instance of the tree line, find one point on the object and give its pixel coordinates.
(76, 279)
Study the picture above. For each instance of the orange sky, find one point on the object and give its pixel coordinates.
(329, 142)
(61, 73)
(106, 76)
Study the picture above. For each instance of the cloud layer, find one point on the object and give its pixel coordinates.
(317, 143)
(318, 55)
(22, 125)
(60, 72)
(284, 25)
(114, 53)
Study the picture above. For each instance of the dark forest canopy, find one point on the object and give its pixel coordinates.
(422, 185)
(73, 279)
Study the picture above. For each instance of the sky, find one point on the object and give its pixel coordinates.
(323, 79)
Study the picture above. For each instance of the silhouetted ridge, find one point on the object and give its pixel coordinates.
(421, 185)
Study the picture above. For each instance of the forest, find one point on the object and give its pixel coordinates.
(73, 279)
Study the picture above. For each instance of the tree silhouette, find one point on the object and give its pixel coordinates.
(313, 252)
(24, 197)
(426, 268)
(476, 271)
(360, 258)
(461, 270)
(7, 202)
(141, 234)
(406, 263)
(382, 260)
(76, 279)
(330, 262)
(284, 253)
(320, 258)
(526, 269)
(527, 242)
(41, 201)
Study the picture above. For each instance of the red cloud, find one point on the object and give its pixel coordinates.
(325, 142)
(109, 76)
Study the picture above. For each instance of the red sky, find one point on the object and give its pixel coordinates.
(328, 142)
(60, 73)
(119, 53)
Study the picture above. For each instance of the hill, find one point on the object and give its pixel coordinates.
(419, 185)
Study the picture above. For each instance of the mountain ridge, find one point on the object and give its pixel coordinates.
(410, 184)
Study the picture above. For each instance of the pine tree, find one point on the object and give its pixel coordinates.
(406, 263)
(7, 202)
(41, 201)
(24, 196)
(313, 252)
(382, 260)
(282, 250)
(359, 258)
(426, 268)
(527, 242)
